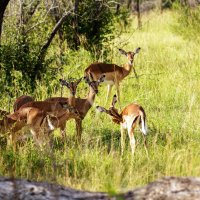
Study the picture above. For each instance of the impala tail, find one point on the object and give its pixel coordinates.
(143, 121)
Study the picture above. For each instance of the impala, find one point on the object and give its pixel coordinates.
(72, 86)
(130, 116)
(84, 105)
(114, 74)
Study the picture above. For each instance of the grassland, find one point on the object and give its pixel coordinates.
(169, 90)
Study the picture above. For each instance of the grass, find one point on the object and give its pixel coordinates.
(168, 89)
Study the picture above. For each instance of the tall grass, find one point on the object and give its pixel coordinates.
(169, 90)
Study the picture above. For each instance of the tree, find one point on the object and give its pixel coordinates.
(3, 6)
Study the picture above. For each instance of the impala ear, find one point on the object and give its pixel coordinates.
(102, 78)
(114, 101)
(137, 50)
(91, 77)
(78, 81)
(122, 52)
(101, 109)
(63, 82)
(86, 78)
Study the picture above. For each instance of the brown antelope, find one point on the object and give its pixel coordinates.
(84, 105)
(113, 73)
(130, 116)
(44, 116)
(72, 86)
(20, 101)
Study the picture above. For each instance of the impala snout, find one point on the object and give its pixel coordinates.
(96, 91)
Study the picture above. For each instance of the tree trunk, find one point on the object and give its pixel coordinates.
(43, 50)
(129, 4)
(3, 6)
(138, 14)
(75, 25)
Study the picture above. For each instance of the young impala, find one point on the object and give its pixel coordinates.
(84, 105)
(130, 116)
(113, 73)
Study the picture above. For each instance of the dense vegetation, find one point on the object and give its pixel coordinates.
(167, 88)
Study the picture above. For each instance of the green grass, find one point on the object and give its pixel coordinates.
(168, 89)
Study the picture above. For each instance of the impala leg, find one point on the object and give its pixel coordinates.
(108, 92)
(131, 136)
(35, 133)
(132, 142)
(63, 131)
(11, 141)
(118, 94)
(79, 129)
(122, 139)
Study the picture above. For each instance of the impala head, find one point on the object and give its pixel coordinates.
(130, 55)
(112, 111)
(70, 109)
(94, 84)
(72, 85)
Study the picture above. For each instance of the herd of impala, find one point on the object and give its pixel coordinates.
(42, 117)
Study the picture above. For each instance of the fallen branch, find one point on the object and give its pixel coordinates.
(169, 188)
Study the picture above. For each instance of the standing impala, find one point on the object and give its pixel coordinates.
(130, 116)
(72, 86)
(84, 105)
(113, 73)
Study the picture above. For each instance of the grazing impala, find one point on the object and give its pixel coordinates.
(130, 116)
(114, 74)
(20, 101)
(44, 116)
(84, 105)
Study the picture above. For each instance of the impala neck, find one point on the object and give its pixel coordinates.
(91, 96)
(72, 100)
(128, 66)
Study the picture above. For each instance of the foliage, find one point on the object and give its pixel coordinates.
(189, 23)
(95, 25)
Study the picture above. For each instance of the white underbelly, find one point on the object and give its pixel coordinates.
(108, 82)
